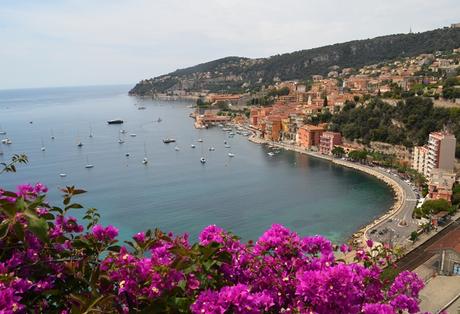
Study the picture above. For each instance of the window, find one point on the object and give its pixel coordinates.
(456, 270)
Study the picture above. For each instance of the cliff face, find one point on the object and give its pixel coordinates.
(237, 73)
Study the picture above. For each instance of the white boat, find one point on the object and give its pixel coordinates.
(192, 146)
(145, 160)
(80, 144)
(202, 160)
(2, 132)
(122, 131)
(211, 149)
(7, 141)
(120, 141)
(88, 165)
(176, 148)
(271, 154)
(227, 146)
(227, 129)
(133, 135)
(200, 140)
(141, 108)
(62, 175)
(231, 155)
(231, 133)
(43, 146)
(52, 135)
(127, 155)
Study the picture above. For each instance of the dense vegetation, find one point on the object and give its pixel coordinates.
(431, 207)
(408, 123)
(51, 263)
(235, 74)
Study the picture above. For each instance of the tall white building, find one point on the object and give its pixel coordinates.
(420, 159)
(441, 152)
(438, 154)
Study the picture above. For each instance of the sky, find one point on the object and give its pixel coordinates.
(46, 43)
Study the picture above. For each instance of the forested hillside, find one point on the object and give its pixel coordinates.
(235, 74)
(409, 123)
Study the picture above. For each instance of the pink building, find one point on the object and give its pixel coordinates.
(327, 142)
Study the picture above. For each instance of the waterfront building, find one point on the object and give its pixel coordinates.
(328, 140)
(210, 117)
(420, 159)
(272, 128)
(227, 98)
(309, 136)
(441, 152)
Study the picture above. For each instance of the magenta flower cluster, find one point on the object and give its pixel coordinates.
(49, 262)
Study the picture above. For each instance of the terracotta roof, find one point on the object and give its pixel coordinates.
(449, 241)
(309, 127)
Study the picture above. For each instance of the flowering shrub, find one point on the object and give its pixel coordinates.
(49, 262)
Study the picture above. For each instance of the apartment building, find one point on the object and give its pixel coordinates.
(328, 140)
(420, 159)
(441, 152)
(309, 136)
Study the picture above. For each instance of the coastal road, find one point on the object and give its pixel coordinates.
(397, 228)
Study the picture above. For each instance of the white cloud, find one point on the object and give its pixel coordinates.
(95, 42)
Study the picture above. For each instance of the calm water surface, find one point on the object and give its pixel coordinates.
(244, 194)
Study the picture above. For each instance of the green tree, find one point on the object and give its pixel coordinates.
(456, 194)
(338, 151)
(414, 236)
(431, 207)
(358, 155)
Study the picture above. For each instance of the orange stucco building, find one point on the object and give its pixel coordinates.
(309, 136)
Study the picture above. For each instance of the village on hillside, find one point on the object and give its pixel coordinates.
(292, 112)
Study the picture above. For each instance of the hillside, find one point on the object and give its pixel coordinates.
(234, 74)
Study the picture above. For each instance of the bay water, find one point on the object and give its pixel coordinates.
(174, 191)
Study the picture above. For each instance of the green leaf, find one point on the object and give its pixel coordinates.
(19, 230)
(114, 248)
(8, 208)
(21, 204)
(57, 209)
(39, 227)
(78, 191)
(81, 243)
(4, 228)
(74, 205)
(9, 194)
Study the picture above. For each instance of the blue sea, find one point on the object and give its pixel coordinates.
(174, 191)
